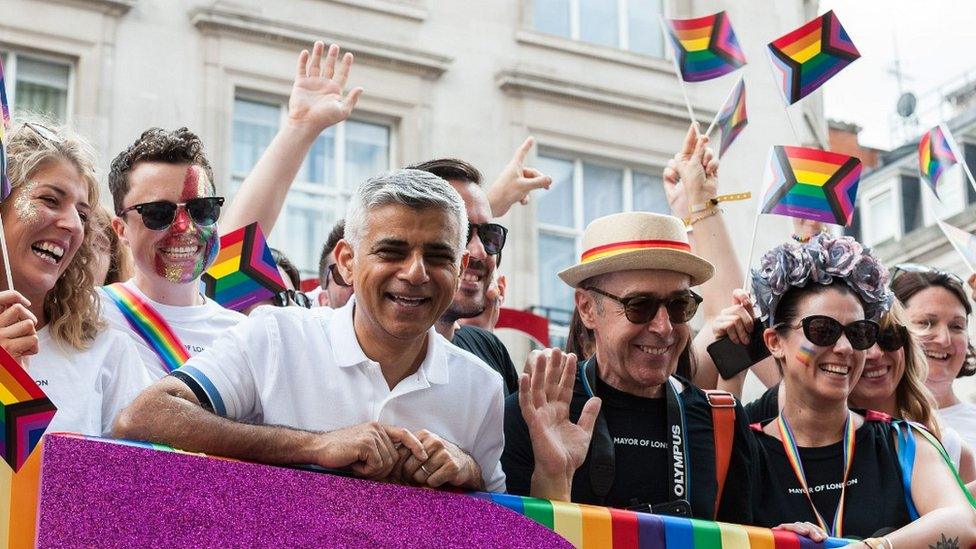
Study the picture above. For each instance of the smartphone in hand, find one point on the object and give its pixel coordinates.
(731, 358)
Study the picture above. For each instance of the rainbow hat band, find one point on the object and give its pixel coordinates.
(636, 240)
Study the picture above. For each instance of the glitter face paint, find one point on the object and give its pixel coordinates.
(184, 233)
(805, 354)
(24, 204)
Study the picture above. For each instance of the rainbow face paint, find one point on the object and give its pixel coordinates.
(24, 205)
(805, 354)
(188, 249)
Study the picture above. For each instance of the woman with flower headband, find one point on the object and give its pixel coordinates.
(938, 306)
(823, 467)
(50, 321)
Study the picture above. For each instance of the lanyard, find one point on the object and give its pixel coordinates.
(677, 429)
(793, 456)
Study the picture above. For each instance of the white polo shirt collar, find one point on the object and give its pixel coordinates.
(348, 352)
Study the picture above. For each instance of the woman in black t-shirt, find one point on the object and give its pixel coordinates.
(820, 463)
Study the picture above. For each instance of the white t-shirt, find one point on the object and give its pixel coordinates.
(197, 326)
(313, 295)
(90, 386)
(952, 443)
(304, 368)
(962, 418)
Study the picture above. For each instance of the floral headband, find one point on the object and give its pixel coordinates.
(822, 260)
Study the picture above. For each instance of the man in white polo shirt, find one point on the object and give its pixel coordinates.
(371, 386)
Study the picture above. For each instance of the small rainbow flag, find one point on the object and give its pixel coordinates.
(244, 271)
(591, 527)
(811, 55)
(811, 184)
(963, 242)
(25, 412)
(732, 119)
(705, 47)
(5, 110)
(935, 156)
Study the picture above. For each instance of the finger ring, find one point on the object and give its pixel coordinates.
(424, 469)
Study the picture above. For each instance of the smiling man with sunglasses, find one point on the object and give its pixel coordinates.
(653, 446)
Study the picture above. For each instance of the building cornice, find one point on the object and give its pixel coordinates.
(405, 10)
(116, 8)
(223, 22)
(519, 82)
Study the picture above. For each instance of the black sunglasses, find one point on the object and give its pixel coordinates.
(336, 277)
(286, 298)
(492, 236)
(892, 338)
(824, 331)
(159, 215)
(640, 309)
(919, 268)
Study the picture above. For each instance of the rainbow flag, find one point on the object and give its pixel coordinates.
(732, 119)
(935, 156)
(811, 55)
(591, 527)
(963, 242)
(5, 111)
(705, 47)
(25, 412)
(244, 271)
(811, 184)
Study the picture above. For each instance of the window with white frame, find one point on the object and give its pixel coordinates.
(38, 84)
(626, 24)
(583, 190)
(880, 214)
(321, 191)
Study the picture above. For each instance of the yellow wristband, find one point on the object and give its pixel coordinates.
(711, 203)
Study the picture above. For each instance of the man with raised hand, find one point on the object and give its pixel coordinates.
(164, 196)
(372, 386)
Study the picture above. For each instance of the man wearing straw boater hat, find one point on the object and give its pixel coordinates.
(653, 446)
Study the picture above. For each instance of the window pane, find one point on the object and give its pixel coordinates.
(599, 21)
(42, 87)
(555, 254)
(320, 165)
(367, 151)
(254, 126)
(308, 218)
(882, 212)
(551, 16)
(649, 194)
(603, 191)
(555, 206)
(644, 27)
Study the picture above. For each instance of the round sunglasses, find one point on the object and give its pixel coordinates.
(492, 236)
(159, 215)
(640, 309)
(824, 331)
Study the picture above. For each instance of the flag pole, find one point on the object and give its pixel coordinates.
(951, 140)
(6, 257)
(786, 107)
(677, 72)
(711, 126)
(752, 246)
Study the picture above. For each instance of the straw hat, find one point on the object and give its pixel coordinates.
(636, 240)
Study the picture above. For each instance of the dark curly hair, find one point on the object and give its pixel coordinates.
(450, 169)
(156, 145)
(335, 235)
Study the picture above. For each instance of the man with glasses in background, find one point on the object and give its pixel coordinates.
(653, 447)
(333, 290)
(485, 241)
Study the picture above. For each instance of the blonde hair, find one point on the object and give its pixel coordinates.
(913, 401)
(71, 306)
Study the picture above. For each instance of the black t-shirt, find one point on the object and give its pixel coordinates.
(641, 450)
(486, 346)
(765, 407)
(875, 497)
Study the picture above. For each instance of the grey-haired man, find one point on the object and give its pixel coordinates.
(371, 386)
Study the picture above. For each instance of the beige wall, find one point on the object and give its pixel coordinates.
(466, 78)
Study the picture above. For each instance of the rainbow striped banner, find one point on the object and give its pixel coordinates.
(150, 326)
(810, 55)
(705, 47)
(5, 113)
(935, 156)
(732, 119)
(589, 526)
(25, 412)
(811, 184)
